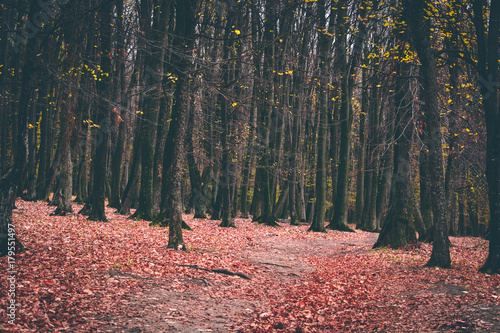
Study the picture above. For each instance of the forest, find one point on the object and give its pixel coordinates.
(363, 118)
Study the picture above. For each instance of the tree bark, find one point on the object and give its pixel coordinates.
(324, 42)
(360, 170)
(488, 71)
(398, 229)
(183, 44)
(420, 31)
(9, 180)
(266, 108)
(102, 115)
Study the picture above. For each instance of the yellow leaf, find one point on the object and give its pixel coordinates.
(234, 104)
(237, 32)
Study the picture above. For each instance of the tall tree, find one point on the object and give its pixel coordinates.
(69, 96)
(9, 180)
(324, 43)
(420, 29)
(102, 113)
(398, 229)
(360, 172)
(183, 42)
(488, 55)
(227, 113)
(152, 18)
(346, 66)
(265, 106)
(299, 74)
(120, 114)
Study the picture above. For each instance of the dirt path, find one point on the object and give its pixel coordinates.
(209, 303)
(206, 307)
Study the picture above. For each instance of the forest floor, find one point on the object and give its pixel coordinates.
(82, 276)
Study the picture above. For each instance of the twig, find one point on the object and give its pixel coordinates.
(225, 271)
(221, 271)
(273, 264)
(200, 279)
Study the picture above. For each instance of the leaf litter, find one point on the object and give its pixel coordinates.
(85, 276)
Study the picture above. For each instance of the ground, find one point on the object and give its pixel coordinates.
(84, 276)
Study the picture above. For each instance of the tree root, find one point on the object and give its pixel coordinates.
(220, 271)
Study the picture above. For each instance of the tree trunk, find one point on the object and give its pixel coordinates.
(297, 104)
(66, 169)
(226, 181)
(398, 229)
(347, 70)
(324, 42)
(368, 219)
(425, 193)
(360, 172)
(69, 101)
(488, 72)
(183, 43)
(102, 117)
(420, 30)
(194, 173)
(152, 19)
(9, 180)
(133, 179)
(266, 108)
(249, 157)
(121, 114)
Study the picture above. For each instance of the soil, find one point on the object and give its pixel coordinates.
(211, 305)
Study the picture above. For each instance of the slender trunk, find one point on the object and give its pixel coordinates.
(133, 179)
(360, 172)
(266, 109)
(121, 114)
(323, 89)
(347, 70)
(249, 157)
(183, 42)
(226, 123)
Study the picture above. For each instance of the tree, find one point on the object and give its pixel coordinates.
(9, 180)
(347, 70)
(398, 229)
(69, 102)
(102, 115)
(323, 49)
(265, 109)
(153, 23)
(488, 55)
(183, 45)
(121, 115)
(419, 24)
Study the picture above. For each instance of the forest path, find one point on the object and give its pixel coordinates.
(207, 306)
(86, 276)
